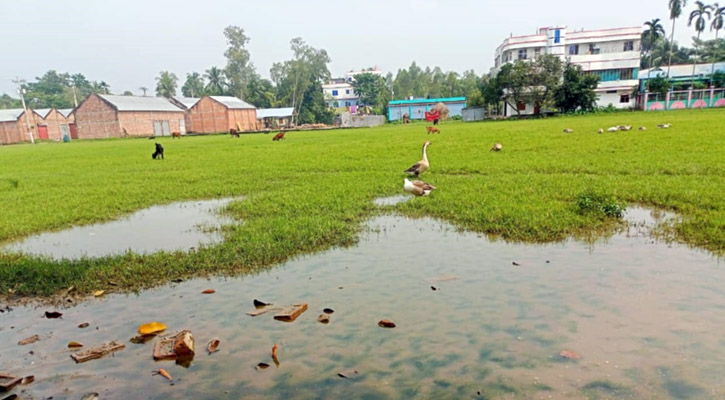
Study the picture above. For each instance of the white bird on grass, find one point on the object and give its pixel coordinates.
(418, 188)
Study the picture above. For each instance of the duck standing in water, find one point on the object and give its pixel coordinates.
(418, 188)
(422, 165)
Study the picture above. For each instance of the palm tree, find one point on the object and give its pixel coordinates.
(676, 7)
(166, 84)
(217, 82)
(653, 32)
(699, 16)
(144, 89)
(194, 85)
(718, 22)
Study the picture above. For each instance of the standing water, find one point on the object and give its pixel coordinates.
(475, 318)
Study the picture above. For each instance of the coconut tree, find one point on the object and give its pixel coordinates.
(144, 89)
(166, 84)
(699, 16)
(216, 82)
(718, 22)
(676, 7)
(652, 33)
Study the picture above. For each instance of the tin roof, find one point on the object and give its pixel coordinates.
(65, 112)
(427, 101)
(139, 103)
(10, 115)
(274, 112)
(43, 112)
(187, 102)
(682, 71)
(232, 102)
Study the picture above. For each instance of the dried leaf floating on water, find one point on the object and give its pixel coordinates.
(164, 373)
(209, 291)
(53, 314)
(28, 380)
(142, 338)
(151, 328)
(84, 325)
(328, 311)
(386, 323)
(29, 340)
(75, 345)
(347, 374)
(213, 346)
(323, 319)
(262, 365)
(569, 355)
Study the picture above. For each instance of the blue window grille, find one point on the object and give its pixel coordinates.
(347, 91)
(573, 49)
(557, 36)
(334, 92)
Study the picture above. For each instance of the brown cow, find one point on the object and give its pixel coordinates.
(175, 135)
(234, 132)
(278, 136)
(432, 129)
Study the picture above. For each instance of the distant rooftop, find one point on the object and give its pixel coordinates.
(233, 102)
(65, 112)
(10, 115)
(138, 103)
(426, 101)
(43, 112)
(274, 112)
(681, 71)
(187, 102)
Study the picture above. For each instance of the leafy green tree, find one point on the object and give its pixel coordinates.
(127, 93)
(676, 7)
(543, 79)
(492, 93)
(166, 84)
(7, 102)
(718, 79)
(699, 15)
(576, 91)
(193, 86)
(260, 92)
(652, 33)
(239, 70)
(514, 81)
(370, 88)
(659, 84)
(718, 22)
(216, 82)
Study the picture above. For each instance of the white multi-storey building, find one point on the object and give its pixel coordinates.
(612, 54)
(340, 92)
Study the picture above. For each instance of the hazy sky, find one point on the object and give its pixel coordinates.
(126, 43)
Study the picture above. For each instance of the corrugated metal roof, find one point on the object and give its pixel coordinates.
(10, 115)
(65, 112)
(188, 102)
(232, 102)
(274, 112)
(426, 101)
(682, 71)
(43, 112)
(138, 103)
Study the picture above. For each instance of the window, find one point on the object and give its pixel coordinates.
(522, 54)
(347, 91)
(593, 49)
(521, 106)
(557, 36)
(334, 92)
(629, 45)
(573, 49)
(624, 98)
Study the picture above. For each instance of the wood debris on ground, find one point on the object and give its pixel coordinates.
(97, 351)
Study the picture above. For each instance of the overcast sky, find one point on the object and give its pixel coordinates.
(126, 43)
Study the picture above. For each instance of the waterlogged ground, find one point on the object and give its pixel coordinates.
(646, 318)
(177, 226)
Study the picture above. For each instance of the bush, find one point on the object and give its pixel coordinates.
(606, 205)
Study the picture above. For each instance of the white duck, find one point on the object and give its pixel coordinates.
(417, 188)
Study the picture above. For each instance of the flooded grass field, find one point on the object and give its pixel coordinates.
(475, 318)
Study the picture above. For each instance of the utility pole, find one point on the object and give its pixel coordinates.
(21, 92)
(75, 99)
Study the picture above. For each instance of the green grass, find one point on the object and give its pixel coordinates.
(315, 189)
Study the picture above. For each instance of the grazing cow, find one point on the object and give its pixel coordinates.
(234, 132)
(278, 136)
(175, 135)
(432, 129)
(159, 153)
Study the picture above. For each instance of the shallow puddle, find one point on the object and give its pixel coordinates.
(646, 318)
(177, 226)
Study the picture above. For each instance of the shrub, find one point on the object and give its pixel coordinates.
(606, 205)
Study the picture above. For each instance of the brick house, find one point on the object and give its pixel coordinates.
(14, 126)
(213, 114)
(106, 116)
(52, 124)
(185, 103)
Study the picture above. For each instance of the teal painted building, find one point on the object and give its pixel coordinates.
(416, 108)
